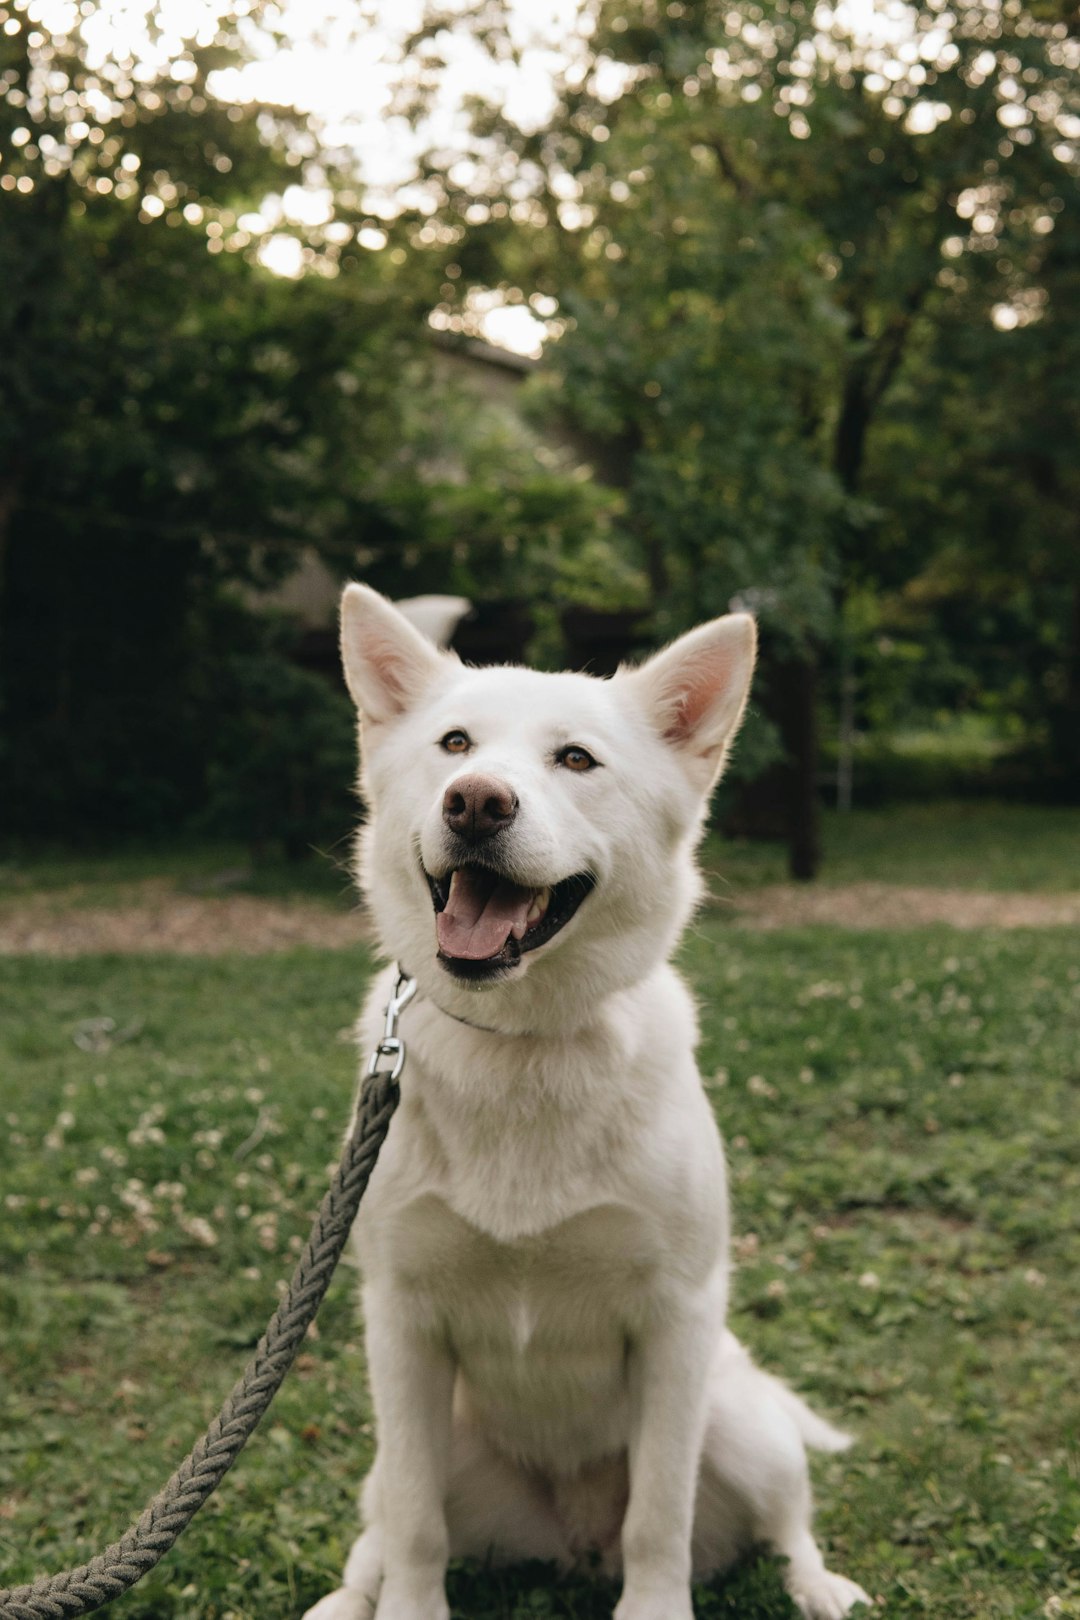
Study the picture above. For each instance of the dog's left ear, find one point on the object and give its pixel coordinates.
(388, 662)
(695, 690)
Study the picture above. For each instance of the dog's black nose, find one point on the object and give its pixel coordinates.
(475, 807)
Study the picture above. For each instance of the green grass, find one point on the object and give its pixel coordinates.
(903, 1127)
(116, 878)
(962, 844)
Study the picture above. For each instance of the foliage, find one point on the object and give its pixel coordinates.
(541, 538)
(172, 416)
(174, 419)
(281, 749)
(812, 288)
(981, 551)
(903, 1150)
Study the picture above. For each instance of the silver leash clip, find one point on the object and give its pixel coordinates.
(391, 1045)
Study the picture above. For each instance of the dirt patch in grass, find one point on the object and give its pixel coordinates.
(154, 917)
(888, 905)
(184, 925)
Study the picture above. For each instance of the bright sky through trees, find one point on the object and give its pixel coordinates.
(345, 63)
(341, 62)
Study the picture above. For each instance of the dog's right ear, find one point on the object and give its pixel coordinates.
(388, 663)
(695, 690)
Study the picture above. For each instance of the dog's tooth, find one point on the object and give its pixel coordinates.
(540, 901)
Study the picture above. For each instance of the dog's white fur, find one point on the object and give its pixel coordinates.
(544, 1242)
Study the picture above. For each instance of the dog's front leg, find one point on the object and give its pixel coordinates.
(412, 1380)
(669, 1369)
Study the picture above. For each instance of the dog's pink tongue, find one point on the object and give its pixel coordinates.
(480, 914)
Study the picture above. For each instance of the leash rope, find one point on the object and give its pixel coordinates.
(79, 1591)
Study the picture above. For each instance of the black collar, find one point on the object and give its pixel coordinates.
(488, 1029)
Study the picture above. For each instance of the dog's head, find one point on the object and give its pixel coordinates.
(533, 834)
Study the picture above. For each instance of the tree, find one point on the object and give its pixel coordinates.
(750, 219)
(172, 417)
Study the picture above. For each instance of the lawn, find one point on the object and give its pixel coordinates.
(187, 868)
(902, 1120)
(954, 844)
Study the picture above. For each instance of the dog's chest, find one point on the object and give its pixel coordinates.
(544, 1288)
(522, 1146)
(538, 1327)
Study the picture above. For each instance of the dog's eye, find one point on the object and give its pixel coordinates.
(456, 742)
(575, 759)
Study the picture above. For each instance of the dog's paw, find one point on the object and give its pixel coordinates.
(344, 1604)
(392, 1609)
(677, 1606)
(825, 1596)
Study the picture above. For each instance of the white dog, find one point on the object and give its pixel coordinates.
(544, 1242)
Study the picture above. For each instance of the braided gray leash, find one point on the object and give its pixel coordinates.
(78, 1591)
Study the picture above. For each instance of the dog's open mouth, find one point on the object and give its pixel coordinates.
(484, 922)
